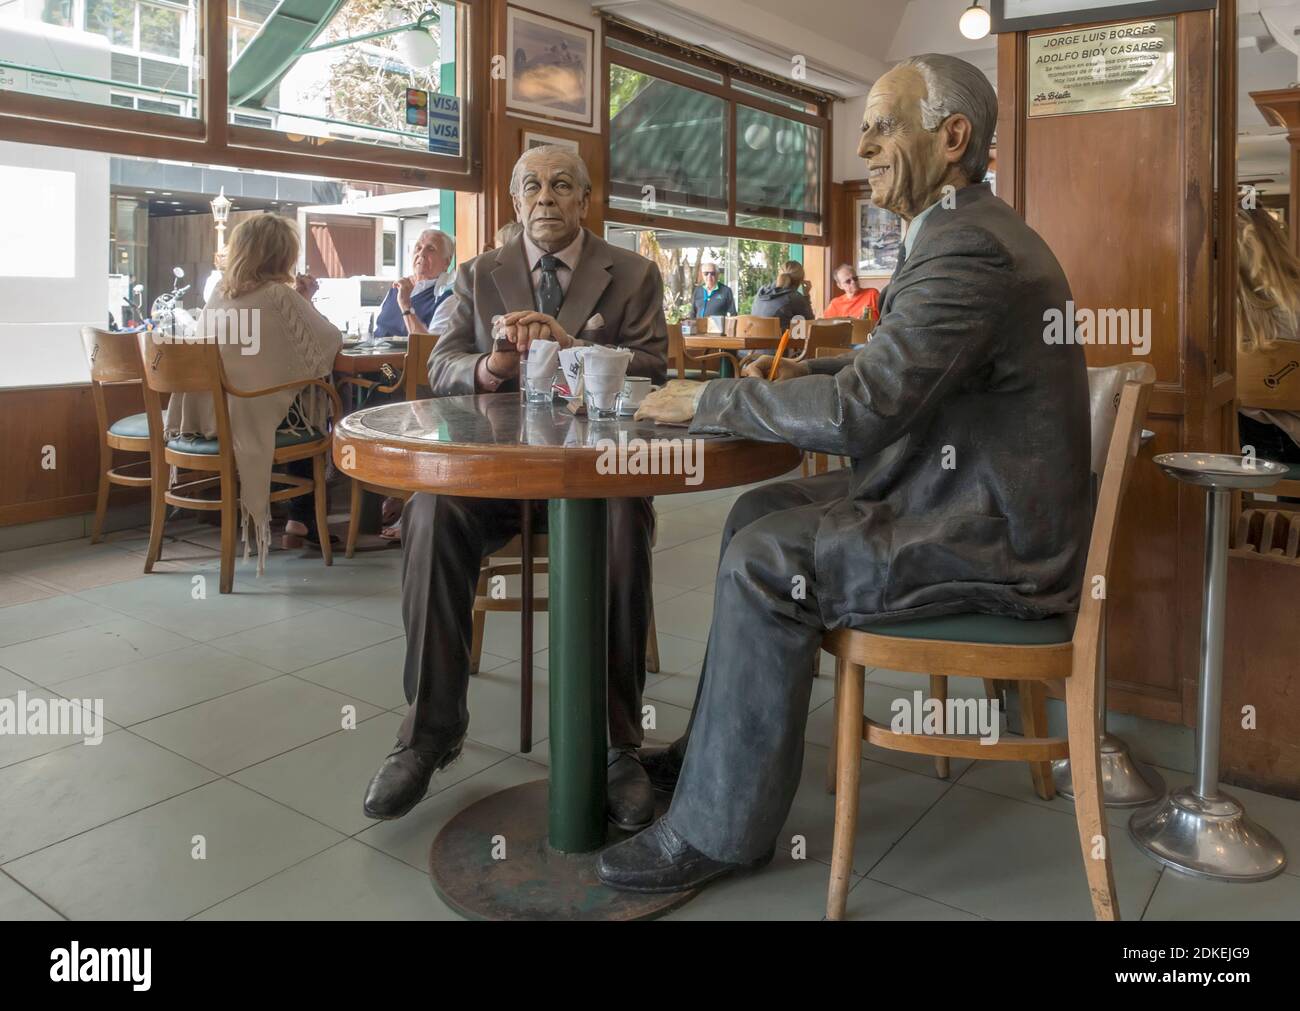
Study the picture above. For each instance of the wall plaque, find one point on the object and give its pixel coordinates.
(1098, 69)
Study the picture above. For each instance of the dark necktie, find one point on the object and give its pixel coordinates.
(550, 296)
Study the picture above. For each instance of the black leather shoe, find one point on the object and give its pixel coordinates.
(659, 860)
(630, 795)
(403, 779)
(663, 766)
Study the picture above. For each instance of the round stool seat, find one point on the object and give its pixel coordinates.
(133, 426)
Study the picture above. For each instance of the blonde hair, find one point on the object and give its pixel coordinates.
(1268, 282)
(263, 248)
(791, 275)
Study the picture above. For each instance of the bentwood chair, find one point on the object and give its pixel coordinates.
(191, 367)
(682, 359)
(1270, 380)
(819, 463)
(114, 358)
(758, 326)
(816, 334)
(977, 645)
(415, 374)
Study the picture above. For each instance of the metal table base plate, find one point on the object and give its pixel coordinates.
(530, 881)
(1125, 782)
(1208, 837)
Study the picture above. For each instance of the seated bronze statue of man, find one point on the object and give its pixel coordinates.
(968, 490)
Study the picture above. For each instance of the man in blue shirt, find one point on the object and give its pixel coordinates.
(711, 297)
(411, 301)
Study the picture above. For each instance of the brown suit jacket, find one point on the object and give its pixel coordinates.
(623, 288)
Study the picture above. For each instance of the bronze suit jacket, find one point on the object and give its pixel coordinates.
(620, 289)
(969, 434)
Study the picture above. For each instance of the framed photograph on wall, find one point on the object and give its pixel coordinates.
(549, 66)
(879, 239)
(532, 140)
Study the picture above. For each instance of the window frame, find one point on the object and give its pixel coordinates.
(209, 138)
(734, 97)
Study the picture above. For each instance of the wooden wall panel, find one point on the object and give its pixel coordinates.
(62, 417)
(1126, 201)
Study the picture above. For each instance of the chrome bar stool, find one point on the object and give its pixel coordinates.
(1125, 782)
(1200, 829)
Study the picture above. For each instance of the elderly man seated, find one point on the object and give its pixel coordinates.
(411, 302)
(954, 416)
(557, 281)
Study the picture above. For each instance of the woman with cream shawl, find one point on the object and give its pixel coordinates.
(269, 334)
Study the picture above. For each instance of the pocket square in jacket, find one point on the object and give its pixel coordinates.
(596, 322)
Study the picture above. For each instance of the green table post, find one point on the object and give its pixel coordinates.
(577, 667)
(725, 371)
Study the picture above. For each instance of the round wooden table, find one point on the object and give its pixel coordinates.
(529, 851)
(721, 342)
(357, 359)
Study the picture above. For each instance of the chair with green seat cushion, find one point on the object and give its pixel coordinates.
(199, 446)
(114, 357)
(1049, 650)
(133, 426)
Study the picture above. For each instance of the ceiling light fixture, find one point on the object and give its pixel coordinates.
(974, 23)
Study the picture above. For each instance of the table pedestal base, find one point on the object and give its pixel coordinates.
(532, 881)
(1125, 782)
(1209, 837)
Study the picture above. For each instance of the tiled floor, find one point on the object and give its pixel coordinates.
(241, 731)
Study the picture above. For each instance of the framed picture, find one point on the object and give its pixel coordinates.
(880, 237)
(549, 67)
(532, 140)
(1022, 15)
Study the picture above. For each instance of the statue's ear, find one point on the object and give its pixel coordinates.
(955, 134)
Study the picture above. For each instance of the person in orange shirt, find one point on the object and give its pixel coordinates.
(855, 301)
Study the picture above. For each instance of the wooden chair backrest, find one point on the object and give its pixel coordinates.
(825, 352)
(862, 329)
(823, 333)
(1124, 442)
(676, 350)
(415, 374)
(113, 357)
(1270, 379)
(758, 326)
(183, 367)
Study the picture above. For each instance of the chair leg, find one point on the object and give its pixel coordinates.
(101, 500)
(1089, 810)
(526, 627)
(831, 764)
(322, 493)
(849, 686)
(158, 472)
(480, 620)
(354, 517)
(1033, 714)
(229, 520)
(939, 692)
(652, 645)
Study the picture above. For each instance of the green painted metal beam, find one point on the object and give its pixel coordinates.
(291, 28)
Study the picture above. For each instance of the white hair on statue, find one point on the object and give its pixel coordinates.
(577, 166)
(955, 87)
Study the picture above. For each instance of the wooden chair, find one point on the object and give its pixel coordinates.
(414, 375)
(974, 645)
(820, 463)
(817, 334)
(184, 367)
(758, 326)
(114, 358)
(1270, 380)
(863, 328)
(680, 358)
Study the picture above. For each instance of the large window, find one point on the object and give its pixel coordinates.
(321, 82)
(702, 142)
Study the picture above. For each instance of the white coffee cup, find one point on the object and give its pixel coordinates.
(635, 390)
